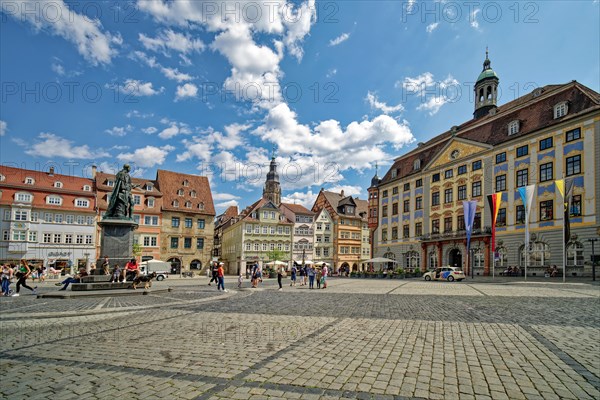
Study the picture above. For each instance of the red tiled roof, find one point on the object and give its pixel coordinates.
(170, 183)
(103, 189)
(297, 209)
(72, 188)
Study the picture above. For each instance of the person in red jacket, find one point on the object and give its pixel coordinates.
(221, 276)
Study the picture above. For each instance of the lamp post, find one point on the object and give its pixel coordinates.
(592, 241)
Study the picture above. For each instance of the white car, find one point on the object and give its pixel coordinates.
(448, 273)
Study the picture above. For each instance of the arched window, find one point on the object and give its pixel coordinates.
(433, 259)
(539, 255)
(481, 95)
(561, 109)
(413, 261)
(489, 92)
(502, 257)
(417, 164)
(478, 258)
(193, 194)
(575, 254)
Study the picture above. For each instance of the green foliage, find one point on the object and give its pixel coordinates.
(276, 255)
(136, 249)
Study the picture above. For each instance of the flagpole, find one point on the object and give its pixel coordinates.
(564, 253)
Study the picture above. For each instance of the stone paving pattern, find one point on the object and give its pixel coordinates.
(358, 338)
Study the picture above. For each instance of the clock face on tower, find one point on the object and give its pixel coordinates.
(454, 155)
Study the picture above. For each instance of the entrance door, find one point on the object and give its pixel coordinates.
(455, 258)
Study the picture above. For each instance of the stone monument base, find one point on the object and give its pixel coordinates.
(116, 242)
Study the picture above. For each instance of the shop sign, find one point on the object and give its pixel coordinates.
(59, 254)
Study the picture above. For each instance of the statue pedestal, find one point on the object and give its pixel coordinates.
(116, 241)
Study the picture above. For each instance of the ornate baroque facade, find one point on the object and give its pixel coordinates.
(551, 133)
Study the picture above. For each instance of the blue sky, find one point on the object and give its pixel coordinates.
(209, 88)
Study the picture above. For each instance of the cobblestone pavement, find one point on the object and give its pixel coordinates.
(502, 339)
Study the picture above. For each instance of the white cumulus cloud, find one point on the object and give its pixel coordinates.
(3, 128)
(433, 94)
(171, 40)
(147, 157)
(186, 90)
(50, 145)
(55, 17)
(431, 27)
(119, 130)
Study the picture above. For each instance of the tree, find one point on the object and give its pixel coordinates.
(136, 250)
(276, 255)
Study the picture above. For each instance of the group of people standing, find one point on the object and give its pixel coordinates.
(218, 275)
(312, 273)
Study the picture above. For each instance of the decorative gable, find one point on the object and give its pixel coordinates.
(457, 149)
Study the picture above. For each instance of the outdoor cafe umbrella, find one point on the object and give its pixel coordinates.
(379, 260)
(271, 263)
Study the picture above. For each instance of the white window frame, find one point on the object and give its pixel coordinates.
(80, 203)
(68, 238)
(19, 235)
(22, 197)
(32, 236)
(87, 188)
(513, 127)
(58, 184)
(34, 216)
(29, 180)
(561, 109)
(58, 218)
(69, 219)
(150, 202)
(54, 200)
(21, 215)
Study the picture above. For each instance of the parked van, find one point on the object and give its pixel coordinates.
(161, 268)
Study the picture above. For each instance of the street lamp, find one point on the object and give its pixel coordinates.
(592, 241)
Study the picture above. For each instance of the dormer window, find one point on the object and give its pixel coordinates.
(23, 197)
(29, 181)
(561, 109)
(188, 204)
(149, 187)
(54, 200)
(394, 173)
(417, 164)
(58, 185)
(193, 194)
(87, 188)
(110, 183)
(2, 178)
(175, 203)
(180, 192)
(513, 127)
(186, 183)
(83, 203)
(201, 206)
(349, 210)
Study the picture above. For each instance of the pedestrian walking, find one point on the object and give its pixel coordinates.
(240, 279)
(22, 274)
(319, 276)
(7, 274)
(325, 271)
(215, 270)
(294, 271)
(305, 275)
(221, 277)
(311, 277)
(279, 277)
(301, 275)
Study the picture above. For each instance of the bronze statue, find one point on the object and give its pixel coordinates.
(121, 200)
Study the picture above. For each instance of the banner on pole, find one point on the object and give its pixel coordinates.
(469, 208)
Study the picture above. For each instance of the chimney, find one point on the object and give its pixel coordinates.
(94, 169)
(342, 193)
(51, 171)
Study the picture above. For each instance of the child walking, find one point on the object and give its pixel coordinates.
(240, 279)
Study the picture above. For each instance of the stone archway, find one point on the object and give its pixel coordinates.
(175, 265)
(455, 258)
(196, 264)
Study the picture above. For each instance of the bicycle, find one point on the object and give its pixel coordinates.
(187, 274)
